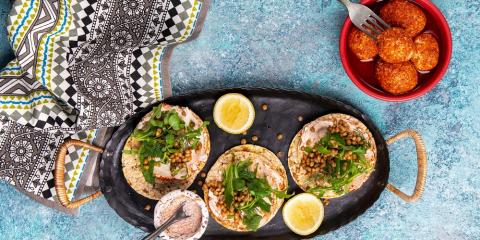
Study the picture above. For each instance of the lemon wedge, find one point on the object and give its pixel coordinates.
(303, 213)
(233, 113)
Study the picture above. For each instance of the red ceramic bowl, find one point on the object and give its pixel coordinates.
(362, 74)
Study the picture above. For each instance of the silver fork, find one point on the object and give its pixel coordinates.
(177, 216)
(365, 19)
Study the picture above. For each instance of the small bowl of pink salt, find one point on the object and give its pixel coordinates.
(189, 228)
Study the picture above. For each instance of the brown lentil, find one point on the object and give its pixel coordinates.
(264, 107)
(315, 162)
(343, 129)
(279, 136)
(243, 141)
(254, 138)
(239, 199)
(181, 157)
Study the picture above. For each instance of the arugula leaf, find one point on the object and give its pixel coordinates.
(338, 177)
(157, 112)
(228, 184)
(251, 220)
(242, 168)
(337, 165)
(151, 149)
(262, 204)
(165, 133)
(238, 184)
(148, 171)
(238, 177)
(170, 139)
(259, 187)
(358, 150)
(308, 149)
(321, 149)
(174, 121)
(337, 138)
(156, 123)
(142, 134)
(282, 194)
(359, 134)
(249, 205)
(325, 140)
(246, 174)
(319, 191)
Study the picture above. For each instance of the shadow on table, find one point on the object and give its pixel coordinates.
(6, 53)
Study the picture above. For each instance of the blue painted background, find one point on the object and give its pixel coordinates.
(293, 44)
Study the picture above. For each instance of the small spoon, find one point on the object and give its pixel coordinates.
(179, 215)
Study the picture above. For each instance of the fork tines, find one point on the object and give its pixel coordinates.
(374, 25)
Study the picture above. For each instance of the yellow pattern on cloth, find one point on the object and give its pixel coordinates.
(81, 66)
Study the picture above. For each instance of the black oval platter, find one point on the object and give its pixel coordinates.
(284, 109)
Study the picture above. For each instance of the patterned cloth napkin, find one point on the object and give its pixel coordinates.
(81, 67)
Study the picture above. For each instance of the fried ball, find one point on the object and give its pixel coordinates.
(404, 14)
(362, 45)
(396, 78)
(395, 46)
(427, 52)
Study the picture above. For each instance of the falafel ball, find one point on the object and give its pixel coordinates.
(404, 14)
(395, 46)
(427, 52)
(362, 45)
(396, 78)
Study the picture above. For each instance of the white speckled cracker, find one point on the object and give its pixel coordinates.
(314, 131)
(131, 164)
(269, 166)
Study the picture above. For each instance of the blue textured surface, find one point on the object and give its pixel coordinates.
(293, 44)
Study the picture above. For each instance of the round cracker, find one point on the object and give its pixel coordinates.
(269, 166)
(131, 164)
(320, 125)
(258, 150)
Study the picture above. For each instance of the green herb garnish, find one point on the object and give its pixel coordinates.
(164, 134)
(337, 177)
(239, 177)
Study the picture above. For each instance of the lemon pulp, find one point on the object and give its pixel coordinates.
(303, 218)
(234, 113)
(303, 214)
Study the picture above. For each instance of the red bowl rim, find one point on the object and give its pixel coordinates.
(444, 29)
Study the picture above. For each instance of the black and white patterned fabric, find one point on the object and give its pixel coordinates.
(81, 66)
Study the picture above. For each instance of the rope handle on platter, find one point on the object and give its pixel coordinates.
(59, 174)
(422, 165)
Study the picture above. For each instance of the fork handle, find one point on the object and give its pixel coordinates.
(168, 223)
(346, 2)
